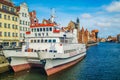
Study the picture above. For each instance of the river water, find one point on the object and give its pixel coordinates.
(102, 62)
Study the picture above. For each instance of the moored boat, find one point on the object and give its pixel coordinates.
(49, 47)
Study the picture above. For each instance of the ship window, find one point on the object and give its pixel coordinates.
(46, 29)
(50, 29)
(55, 51)
(43, 29)
(37, 29)
(31, 41)
(35, 50)
(54, 40)
(46, 34)
(50, 50)
(35, 34)
(38, 50)
(34, 29)
(41, 40)
(49, 40)
(34, 41)
(46, 41)
(40, 29)
(43, 34)
(39, 34)
(25, 50)
(38, 41)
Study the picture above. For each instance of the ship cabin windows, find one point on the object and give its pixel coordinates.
(54, 41)
(31, 41)
(43, 41)
(39, 34)
(53, 51)
(49, 41)
(50, 28)
(37, 29)
(46, 29)
(46, 34)
(40, 29)
(34, 41)
(38, 41)
(35, 34)
(69, 51)
(43, 29)
(34, 29)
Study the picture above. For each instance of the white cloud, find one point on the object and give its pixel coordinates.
(103, 24)
(86, 16)
(113, 7)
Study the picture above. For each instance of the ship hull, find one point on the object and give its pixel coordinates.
(59, 68)
(19, 64)
(51, 66)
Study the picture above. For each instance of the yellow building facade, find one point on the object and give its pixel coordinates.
(9, 24)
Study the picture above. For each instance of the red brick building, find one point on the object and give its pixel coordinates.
(33, 18)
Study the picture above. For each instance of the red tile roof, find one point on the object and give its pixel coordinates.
(6, 11)
(7, 3)
(42, 25)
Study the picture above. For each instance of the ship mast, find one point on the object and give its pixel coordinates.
(52, 15)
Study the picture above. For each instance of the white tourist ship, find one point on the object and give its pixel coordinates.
(49, 47)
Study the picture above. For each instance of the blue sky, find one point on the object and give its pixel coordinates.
(103, 15)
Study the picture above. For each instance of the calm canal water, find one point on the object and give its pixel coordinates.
(101, 63)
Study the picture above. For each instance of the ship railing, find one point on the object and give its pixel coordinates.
(47, 55)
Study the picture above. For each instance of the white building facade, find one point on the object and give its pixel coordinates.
(24, 21)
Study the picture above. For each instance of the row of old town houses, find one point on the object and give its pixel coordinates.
(16, 20)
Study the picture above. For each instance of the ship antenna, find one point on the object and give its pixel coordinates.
(52, 15)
